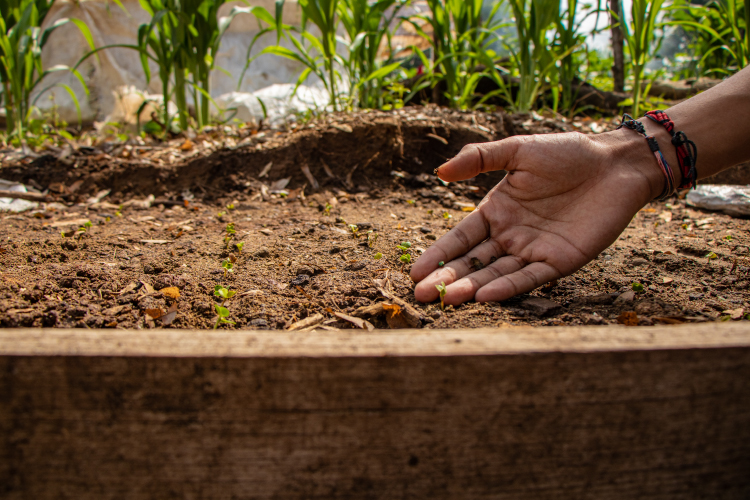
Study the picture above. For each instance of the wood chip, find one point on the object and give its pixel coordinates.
(361, 323)
(438, 138)
(313, 182)
(307, 322)
(64, 223)
(342, 127)
(628, 318)
(413, 317)
(155, 242)
(265, 170)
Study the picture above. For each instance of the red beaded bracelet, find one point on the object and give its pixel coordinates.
(687, 152)
(632, 124)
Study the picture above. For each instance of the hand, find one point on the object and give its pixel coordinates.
(566, 198)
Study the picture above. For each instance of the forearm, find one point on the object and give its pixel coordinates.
(717, 121)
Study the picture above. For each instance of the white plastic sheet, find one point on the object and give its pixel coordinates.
(14, 204)
(732, 200)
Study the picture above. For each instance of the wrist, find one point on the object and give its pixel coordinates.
(630, 150)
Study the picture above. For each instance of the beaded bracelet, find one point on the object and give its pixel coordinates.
(669, 187)
(687, 152)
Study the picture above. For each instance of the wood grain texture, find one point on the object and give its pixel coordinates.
(556, 417)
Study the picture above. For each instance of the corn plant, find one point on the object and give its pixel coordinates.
(533, 60)
(639, 38)
(367, 25)
(21, 71)
(568, 39)
(459, 42)
(719, 34)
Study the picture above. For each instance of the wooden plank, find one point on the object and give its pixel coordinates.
(345, 343)
(599, 413)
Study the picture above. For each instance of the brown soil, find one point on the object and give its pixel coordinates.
(299, 260)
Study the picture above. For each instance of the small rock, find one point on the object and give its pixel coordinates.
(334, 250)
(436, 314)
(639, 262)
(626, 297)
(259, 323)
(307, 271)
(364, 225)
(431, 237)
(356, 266)
(262, 253)
(152, 268)
(267, 232)
(70, 245)
(541, 306)
(301, 280)
(593, 319)
(600, 300)
(735, 314)
(425, 230)
(741, 250)
(695, 296)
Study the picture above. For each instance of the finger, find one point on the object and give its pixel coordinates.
(524, 280)
(465, 289)
(455, 270)
(461, 239)
(475, 159)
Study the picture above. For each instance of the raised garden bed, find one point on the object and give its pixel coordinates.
(552, 413)
(301, 257)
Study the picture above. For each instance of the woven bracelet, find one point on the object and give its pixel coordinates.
(687, 152)
(669, 187)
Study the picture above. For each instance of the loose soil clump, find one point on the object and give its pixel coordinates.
(311, 241)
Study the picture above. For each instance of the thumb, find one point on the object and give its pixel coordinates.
(476, 159)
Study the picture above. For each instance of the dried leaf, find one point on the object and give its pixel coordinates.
(172, 292)
(307, 322)
(154, 313)
(187, 145)
(361, 323)
(666, 216)
(129, 288)
(155, 242)
(628, 318)
(147, 288)
(265, 170)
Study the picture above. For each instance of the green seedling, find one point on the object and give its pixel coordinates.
(725, 318)
(107, 219)
(230, 233)
(86, 226)
(228, 267)
(230, 206)
(447, 216)
(223, 314)
(240, 246)
(327, 209)
(223, 293)
(354, 229)
(405, 259)
(118, 212)
(728, 237)
(221, 214)
(711, 256)
(441, 290)
(378, 256)
(637, 287)
(411, 202)
(404, 246)
(371, 238)
(441, 263)
(430, 212)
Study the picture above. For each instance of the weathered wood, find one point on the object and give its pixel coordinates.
(598, 413)
(22, 196)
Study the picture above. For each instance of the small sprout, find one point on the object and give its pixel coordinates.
(711, 256)
(228, 267)
(230, 228)
(637, 287)
(221, 214)
(430, 212)
(118, 212)
(107, 219)
(354, 229)
(404, 246)
(230, 206)
(447, 216)
(441, 289)
(86, 226)
(223, 314)
(327, 209)
(371, 238)
(725, 318)
(441, 263)
(223, 293)
(405, 259)
(378, 256)
(240, 246)
(728, 237)
(411, 202)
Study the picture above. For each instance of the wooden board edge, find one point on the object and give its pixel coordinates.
(357, 343)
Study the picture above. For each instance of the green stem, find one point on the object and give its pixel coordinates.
(179, 96)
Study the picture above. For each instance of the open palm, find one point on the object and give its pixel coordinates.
(566, 198)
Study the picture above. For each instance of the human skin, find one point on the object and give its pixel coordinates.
(567, 197)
